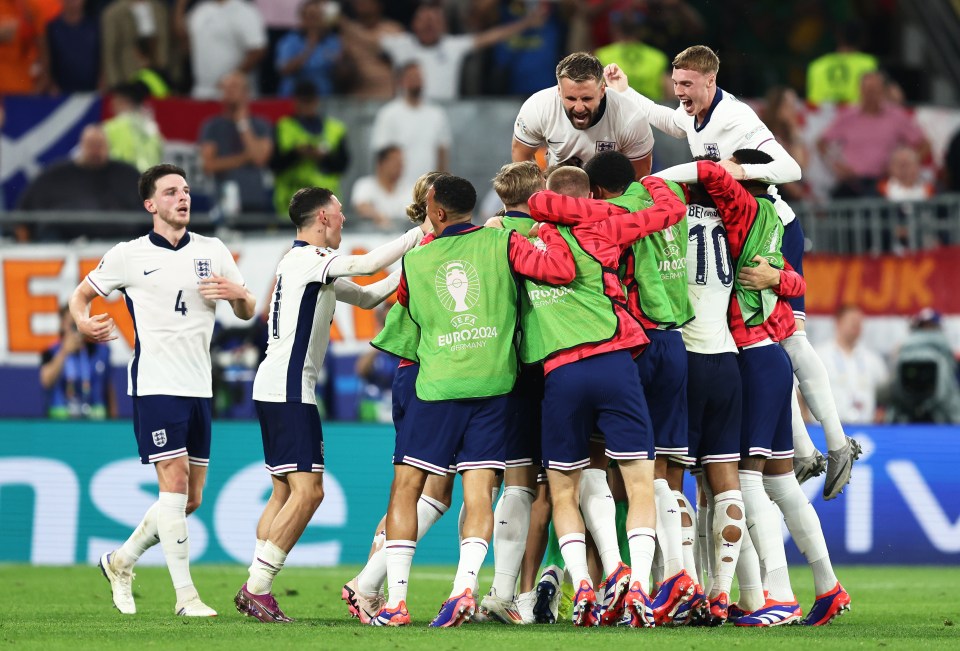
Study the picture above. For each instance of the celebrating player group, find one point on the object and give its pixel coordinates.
(576, 354)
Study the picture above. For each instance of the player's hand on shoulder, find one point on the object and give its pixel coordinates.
(494, 222)
(615, 77)
(762, 276)
(734, 169)
(217, 288)
(99, 327)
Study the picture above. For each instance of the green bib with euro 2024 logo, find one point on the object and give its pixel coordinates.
(400, 336)
(660, 266)
(560, 317)
(463, 296)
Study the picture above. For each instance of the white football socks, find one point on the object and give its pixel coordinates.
(257, 552)
(573, 548)
(804, 525)
(763, 523)
(669, 535)
(511, 523)
(802, 445)
(374, 573)
(749, 580)
(399, 556)
(472, 553)
(815, 386)
(172, 529)
(600, 516)
(688, 536)
(642, 542)
(143, 538)
(727, 551)
(265, 569)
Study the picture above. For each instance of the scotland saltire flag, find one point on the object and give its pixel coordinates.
(38, 131)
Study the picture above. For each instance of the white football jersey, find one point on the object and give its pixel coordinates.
(710, 273)
(173, 323)
(622, 127)
(298, 330)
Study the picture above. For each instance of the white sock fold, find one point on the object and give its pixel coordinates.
(763, 523)
(669, 535)
(642, 542)
(727, 551)
(573, 548)
(815, 386)
(511, 523)
(804, 526)
(172, 529)
(472, 553)
(399, 558)
(265, 568)
(143, 538)
(802, 445)
(600, 516)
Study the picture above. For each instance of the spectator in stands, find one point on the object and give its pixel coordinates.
(381, 197)
(75, 375)
(858, 144)
(782, 117)
(70, 58)
(311, 148)
(155, 80)
(672, 25)
(314, 52)
(903, 181)
(857, 374)
(438, 53)
(279, 17)
(925, 387)
(225, 36)
(132, 134)
(132, 28)
(646, 67)
(372, 74)
(21, 27)
(420, 129)
(835, 77)
(91, 182)
(235, 148)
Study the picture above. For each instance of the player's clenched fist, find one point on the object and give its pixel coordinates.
(219, 288)
(97, 328)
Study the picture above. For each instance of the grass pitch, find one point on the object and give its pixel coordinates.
(70, 607)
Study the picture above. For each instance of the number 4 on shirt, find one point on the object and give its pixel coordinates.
(180, 306)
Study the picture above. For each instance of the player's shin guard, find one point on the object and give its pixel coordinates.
(729, 528)
(815, 386)
(600, 517)
(764, 526)
(511, 523)
(804, 525)
(669, 535)
(172, 529)
(143, 538)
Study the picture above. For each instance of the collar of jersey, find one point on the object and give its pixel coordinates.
(517, 213)
(458, 229)
(600, 111)
(713, 105)
(164, 243)
(297, 243)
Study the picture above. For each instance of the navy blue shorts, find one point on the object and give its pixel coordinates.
(715, 402)
(292, 437)
(524, 423)
(792, 249)
(767, 378)
(596, 393)
(663, 374)
(404, 390)
(172, 426)
(459, 435)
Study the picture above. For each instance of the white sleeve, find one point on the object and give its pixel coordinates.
(636, 137)
(782, 169)
(662, 117)
(366, 296)
(362, 191)
(253, 33)
(110, 274)
(528, 128)
(398, 47)
(682, 173)
(374, 261)
(228, 266)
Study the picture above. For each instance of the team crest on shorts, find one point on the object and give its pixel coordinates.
(712, 149)
(606, 145)
(160, 438)
(458, 285)
(203, 267)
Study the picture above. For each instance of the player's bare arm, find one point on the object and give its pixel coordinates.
(761, 277)
(99, 327)
(520, 152)
(659, 116)
(218, 288)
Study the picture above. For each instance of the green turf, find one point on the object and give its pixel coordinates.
(53, 608)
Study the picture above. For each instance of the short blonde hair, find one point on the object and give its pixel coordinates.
(698, 58)
(515, 182)
(570, 181)
(579, 67)
(417, 211)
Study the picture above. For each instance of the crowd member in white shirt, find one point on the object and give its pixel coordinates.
(380, 197)
(225, 36)
(856, 372)
(309, 283)
(171, 280)
(420, 129)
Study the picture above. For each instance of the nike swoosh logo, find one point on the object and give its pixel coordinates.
(147, 273)
(180, 542)
(843, 468)
(555, 142)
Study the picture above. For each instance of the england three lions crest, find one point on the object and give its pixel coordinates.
(606, 145)
(712, 149)
(203, 267)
